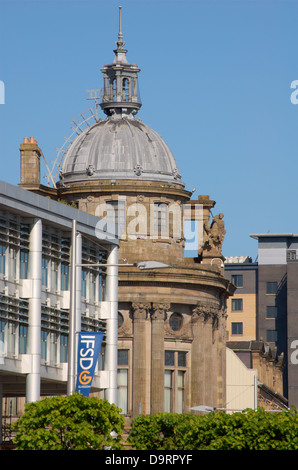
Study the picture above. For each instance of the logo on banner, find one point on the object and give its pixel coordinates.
(89, 345)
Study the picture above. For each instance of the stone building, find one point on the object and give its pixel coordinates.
(172, 321)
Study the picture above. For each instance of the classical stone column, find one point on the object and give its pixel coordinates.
(204, 355)
(220, 334)
(197, 355)
(157, 356)
(141, 367)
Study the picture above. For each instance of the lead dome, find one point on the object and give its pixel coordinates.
(120, 147)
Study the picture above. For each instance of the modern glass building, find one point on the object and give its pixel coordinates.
(57, 271)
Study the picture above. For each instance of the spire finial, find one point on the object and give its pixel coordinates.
(120, 43)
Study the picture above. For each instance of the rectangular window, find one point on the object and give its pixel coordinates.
(271, 287)
(161, 219)
(64, 276)
(169, 358)
(123, 390)
(2, 258)
(291, 255)
(271, 311)
(123, 380)
(44, 272)
(23, 329)
(54, 276)
(116, 216)
(237, 305)
(122, 357)
(180, 391)
(44, 344)
(174, 381)
(237, 328)
(271, 335)
(24, 264)
(84, 275)
(63, 348)
(92, 286)
(11, 339)
(53, 347)
(12, 263)
(181, 359)
(2, 336)
(237, 280)
(168, 391)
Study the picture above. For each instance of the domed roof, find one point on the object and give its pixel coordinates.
(119, 147)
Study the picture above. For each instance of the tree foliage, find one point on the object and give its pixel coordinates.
(247, 430)
(69, 423)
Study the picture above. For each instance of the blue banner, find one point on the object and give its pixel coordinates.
(89, 345)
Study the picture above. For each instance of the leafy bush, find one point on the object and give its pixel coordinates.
(69, 423)
(247, 430)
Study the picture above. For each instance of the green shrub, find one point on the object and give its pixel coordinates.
(74, 422)
(247, 430)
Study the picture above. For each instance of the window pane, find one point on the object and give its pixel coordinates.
(181, 359)
(44, 272)
(123, 357)
(84, 283)
(271, 335)
(2, 259)
(116, 216)
(122, 377)
(180, 392)
(23, 264)
(271, 311)
(64, 276)
(168, 391)
(123, 390)
(44, 339)
(160, 218)
(271, 287)
(237, 280)
(237, 305)
(169, 358)
(2, 335)
(54, 280)
(63, 348)
(237, 328)
(23, 339)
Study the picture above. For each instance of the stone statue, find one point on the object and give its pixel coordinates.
(213, 237)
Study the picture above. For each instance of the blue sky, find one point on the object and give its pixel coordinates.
(215, 83)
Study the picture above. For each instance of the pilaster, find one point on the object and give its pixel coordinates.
(157, 356)
(141, 377)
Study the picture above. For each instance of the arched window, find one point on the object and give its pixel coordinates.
(113, 89)
(125, 89)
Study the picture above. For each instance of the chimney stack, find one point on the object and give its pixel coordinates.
(30, 163)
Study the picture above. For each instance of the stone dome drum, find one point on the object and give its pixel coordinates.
(119, 147)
